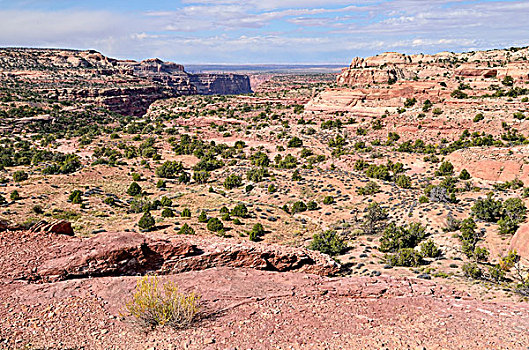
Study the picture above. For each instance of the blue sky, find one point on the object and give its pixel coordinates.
(264, 31)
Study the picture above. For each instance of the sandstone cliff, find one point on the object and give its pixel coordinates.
(122, 86)
(393, 67)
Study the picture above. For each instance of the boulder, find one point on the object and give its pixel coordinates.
(520, 242)
(60, 227)
(128, 253)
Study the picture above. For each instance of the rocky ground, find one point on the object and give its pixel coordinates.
(242, 307)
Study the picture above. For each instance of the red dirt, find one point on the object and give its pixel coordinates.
(244, 308)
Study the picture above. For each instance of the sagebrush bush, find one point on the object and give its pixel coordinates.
(472, 270)
(155, 304)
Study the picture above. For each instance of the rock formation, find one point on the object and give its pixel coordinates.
(129, 254)
(393, 67)
(122, 86)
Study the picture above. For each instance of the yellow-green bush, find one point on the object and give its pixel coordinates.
(161, 304)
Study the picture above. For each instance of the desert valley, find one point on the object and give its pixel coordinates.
(381, 207)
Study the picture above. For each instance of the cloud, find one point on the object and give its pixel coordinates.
(258, 31)
(68, 27)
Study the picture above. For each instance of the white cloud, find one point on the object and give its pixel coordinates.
(275, 30)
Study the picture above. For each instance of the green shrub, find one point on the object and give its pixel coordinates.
(134, 189)
(398, 237)
(256, 233)
(405, 257)
(240, 210)
(110, 201)
(289, 162)
(75, 197)
(186, 213)
(232, 181)
(186, 230)
(298, 207)
(295, 142)
(215, 225)
(328, 200)
(166, 202)
(380, 172)
(458, 94)
(403, 181)
(479, 117)
(445, 169)
(140, 205)
(496, 273)
(481, 254)
(375, 219)
(201, 176)
(370, 188)
(328, 242)
(184, 178)
(203, 217)
(296, 176)
(312, 205)
(260, 159)
(257, 174)
(429, 249)
(15, 196)
(427, 106)
(169, 170)
(146, 221)
(472, 270)
(20, 175)
(508, 81)
(464, 175)
(519, 115)
(410, 102)
(167, 213)
(487, 209)
(508, 214)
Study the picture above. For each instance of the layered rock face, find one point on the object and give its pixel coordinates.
(371, 86)
(55, 255)
(122, 86)
(392, 67)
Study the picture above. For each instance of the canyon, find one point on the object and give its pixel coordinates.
(310, 210)
(122, 86)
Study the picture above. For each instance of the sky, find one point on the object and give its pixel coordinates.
(264, 31)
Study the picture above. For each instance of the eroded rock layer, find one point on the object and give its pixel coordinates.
(122, 86)
(59, 257)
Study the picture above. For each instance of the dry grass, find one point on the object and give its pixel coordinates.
(161, 304)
